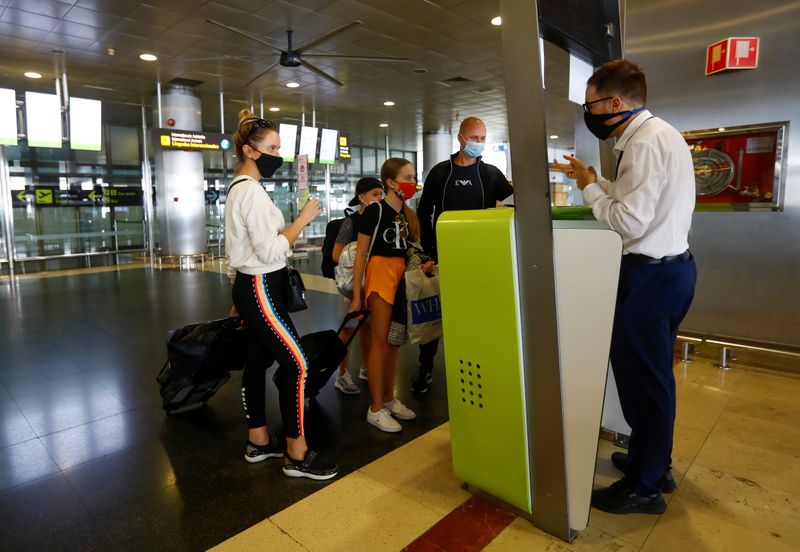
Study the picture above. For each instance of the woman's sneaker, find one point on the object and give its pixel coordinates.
(382, 419)
(422, 381)
(256, 453)
(399, 410)
(312, 467)
(362, 374)
(344, 383)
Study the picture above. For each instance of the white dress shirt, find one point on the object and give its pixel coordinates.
(252, 223)
(650, 203)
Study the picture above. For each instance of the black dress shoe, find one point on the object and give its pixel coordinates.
(620, 461)
(620, 499)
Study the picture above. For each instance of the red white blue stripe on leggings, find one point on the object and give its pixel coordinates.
(287, 338)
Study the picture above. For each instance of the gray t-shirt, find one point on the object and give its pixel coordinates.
(347, 231)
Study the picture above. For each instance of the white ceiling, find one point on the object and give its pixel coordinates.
(446, 38)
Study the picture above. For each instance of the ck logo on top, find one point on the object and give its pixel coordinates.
(397, 234)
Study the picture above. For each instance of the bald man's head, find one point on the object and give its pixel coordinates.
(470, 122)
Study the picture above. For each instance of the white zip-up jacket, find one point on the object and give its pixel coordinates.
(252, 225)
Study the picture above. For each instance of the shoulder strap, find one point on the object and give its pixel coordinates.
(375, 232)
(235, 181)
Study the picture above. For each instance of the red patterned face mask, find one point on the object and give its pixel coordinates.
(408, 189)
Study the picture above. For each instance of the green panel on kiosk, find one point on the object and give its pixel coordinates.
(485, 391)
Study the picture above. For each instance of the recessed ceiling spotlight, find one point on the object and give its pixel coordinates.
(33, 75)
(554, 136)
(147, 57)
(111, 51)
(721, 129)
(383, 125)
(388, 103)
(292, 84)
(274, 109)
(420, 71)
(497, 21)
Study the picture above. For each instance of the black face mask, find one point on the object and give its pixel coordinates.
(267, 164)
(596, 122)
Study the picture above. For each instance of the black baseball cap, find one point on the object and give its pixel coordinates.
(363, 186)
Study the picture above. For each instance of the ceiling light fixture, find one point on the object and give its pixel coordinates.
(33, 75)
(383, 125)
(292, 84)
(388, 103)
(274, 109)
(721, 129)
(554, 136)
(147, 57)
(497, 21)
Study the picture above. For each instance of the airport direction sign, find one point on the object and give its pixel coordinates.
(191, 140)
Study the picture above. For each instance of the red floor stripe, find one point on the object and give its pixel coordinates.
(468, 528)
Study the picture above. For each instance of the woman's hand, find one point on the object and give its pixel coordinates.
(234, 313)
(355, 304)
(310, 211)
(428, 267)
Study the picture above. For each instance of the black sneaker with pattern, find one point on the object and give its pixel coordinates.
(313, 467)
(257, 453)
(422, 380)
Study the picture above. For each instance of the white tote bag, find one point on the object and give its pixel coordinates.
(424, 306)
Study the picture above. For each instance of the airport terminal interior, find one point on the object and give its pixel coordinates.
(116, 125)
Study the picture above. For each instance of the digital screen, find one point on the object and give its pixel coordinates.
(328, 146)
(85, 122)
(308, 143)
(8, 117)
(43, 119)
(288, 141)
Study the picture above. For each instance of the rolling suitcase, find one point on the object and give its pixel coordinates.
(324, 351)
(199, 357)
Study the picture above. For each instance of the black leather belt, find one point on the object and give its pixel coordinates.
(637, 259)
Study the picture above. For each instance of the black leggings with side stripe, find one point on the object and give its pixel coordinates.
(271, 336)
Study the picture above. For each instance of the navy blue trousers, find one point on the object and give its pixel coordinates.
(652, 300)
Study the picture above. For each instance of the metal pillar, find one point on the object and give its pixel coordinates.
(534, 247)
(6, 209)
(147, 188)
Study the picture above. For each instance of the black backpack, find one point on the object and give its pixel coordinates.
(331, 231)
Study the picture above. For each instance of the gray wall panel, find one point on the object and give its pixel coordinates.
(748, 263)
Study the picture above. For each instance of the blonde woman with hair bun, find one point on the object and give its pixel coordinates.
(258, 242)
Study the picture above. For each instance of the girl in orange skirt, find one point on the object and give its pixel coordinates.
(384, 231)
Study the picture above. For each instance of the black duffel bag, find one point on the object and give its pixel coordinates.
(199, 358)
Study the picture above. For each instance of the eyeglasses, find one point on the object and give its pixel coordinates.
(587, 104)
(259, 123)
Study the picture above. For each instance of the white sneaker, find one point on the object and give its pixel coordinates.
(382, 419)
(399, 410)
(344, 383)
(362, 374)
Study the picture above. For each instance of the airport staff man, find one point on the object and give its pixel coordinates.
(649, 203)
(462, 182)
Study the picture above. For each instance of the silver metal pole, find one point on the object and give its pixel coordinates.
(387, 144)
(534, 247)
(65, 87)
(222, 112)
(314, 117)
(303, 119)
(158, 98)
(147, 187)
(6, 207)
(261, 107)
(328, 191)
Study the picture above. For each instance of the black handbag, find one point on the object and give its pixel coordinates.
(296, 300)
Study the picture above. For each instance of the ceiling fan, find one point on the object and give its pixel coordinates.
(294, 57)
